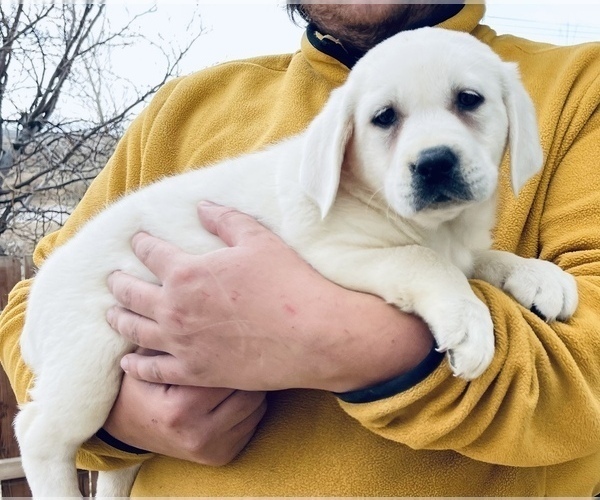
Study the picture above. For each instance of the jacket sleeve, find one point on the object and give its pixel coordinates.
(122, 173)
(539, 402)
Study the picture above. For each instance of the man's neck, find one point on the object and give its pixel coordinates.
(348, 46)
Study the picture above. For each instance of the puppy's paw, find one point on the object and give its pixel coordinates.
(544, 288)
(463, 328)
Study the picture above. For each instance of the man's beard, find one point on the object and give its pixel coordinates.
(361, 27)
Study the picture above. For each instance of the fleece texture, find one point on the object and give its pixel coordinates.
(529, 426)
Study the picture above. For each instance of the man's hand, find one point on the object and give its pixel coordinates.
(203, 425)
(255, 316)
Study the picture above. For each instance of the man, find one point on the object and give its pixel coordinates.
(368, 407)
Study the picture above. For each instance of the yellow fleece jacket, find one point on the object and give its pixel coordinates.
(529, 426)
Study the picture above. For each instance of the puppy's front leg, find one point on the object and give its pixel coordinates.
(538, 285)
(418, 280)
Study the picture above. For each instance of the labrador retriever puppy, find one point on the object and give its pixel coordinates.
(390, 191)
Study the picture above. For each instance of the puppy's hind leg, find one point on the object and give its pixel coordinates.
(116, 483)
(47, 454)
(64, 412)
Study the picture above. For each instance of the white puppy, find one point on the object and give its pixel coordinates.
(390, 191)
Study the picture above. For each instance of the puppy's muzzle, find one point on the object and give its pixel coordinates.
(437, 178)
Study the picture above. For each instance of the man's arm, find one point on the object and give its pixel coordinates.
(255, 316)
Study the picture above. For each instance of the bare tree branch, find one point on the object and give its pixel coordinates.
(52, 55)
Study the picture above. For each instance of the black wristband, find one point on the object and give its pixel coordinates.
(396, 385)
(119, 445)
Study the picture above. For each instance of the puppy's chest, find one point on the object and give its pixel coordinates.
(458, 252)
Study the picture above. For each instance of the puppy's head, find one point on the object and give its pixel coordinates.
(422, 123)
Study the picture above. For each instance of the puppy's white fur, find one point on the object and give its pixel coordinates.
(343, 195)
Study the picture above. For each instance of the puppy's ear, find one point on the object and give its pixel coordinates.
(524, 141)
(324, 150)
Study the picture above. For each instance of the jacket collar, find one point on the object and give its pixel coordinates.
(465, 18)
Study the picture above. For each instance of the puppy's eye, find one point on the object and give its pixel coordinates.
(468, 100)
(385, 117)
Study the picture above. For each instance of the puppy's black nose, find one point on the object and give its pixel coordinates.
(435, 165)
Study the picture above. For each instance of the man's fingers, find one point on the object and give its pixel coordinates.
(255, 406)
(156, 254)
(137, 329)
(232, 226)
(239, 403)
(203, 400)
(135, 294)
(240, 413)
(160, 369)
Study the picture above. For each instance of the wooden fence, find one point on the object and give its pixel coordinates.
(12, 481)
